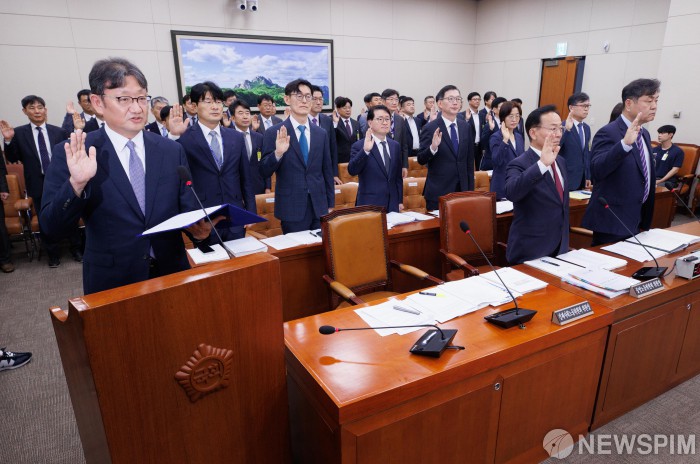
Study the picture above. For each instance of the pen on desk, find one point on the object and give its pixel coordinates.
(427, 293)
(312, 234)
(406, 310)
(549, 262)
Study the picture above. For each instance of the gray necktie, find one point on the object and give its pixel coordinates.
(248, 146)
(216, 150)
(137, 176)
(387, 160)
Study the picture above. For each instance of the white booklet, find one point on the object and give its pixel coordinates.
(592, 260)
(219, 254)
(245, 246)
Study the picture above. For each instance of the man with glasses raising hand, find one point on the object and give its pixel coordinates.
(298, 152)
(121, 180)
(576, 141)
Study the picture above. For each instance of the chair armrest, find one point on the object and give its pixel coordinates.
(24, 204)
(469, 270)
(581, 231)
(343, 291)
(415, 272)
(255, 234)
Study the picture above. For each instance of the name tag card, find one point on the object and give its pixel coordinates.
(413, 184)
(269, 200)
(646, 288)
(572, 313)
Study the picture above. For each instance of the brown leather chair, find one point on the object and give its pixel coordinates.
(413, 199)
(265, 204)
(345, 195)
(686, 173)
(415, 169)
(344, 175)
(461, 258)
(482, 182)
(355, 246)
(17, 220)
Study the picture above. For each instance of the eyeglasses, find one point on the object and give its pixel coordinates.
(392, 99)
(513, 117)
(210, 102)
(318, 99)
(303, 97)
(128, 101)
(553, 130)
(586, 106)
(382, 119)
(454, 99)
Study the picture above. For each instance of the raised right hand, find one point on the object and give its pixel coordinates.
(569, 122)
(78, 122)
(176, 124)
(489, 119)
(70, 109)
(282, 142)
(82, 165)
(632, 131)
(7, 130)
(369, 141)
(255, 122)
(506, 133)
(437, 138)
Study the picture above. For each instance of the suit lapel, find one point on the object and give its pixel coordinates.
(446, 139)
(108, 160)
(154, 160)
(379, 158)
(29, 140)
(293, 141)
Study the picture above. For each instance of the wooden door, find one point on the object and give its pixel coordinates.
(561, 77)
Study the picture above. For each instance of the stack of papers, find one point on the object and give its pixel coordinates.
(395, 219)
(592, 288)
(554, 266)
(592, 260)
(634, 251)
(580, 195)
(665, 240)
(245, 246)
(435, 212)
(606, 280)
(515, 280)
(418, 216)
(219, 254)
(479, 292)
(293, 239)
(504, 206)
(384, 314)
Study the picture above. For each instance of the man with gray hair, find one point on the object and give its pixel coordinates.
(157, 126)
(121, 180)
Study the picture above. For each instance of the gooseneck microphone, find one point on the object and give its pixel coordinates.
(645, 273)
(427, 345)
(509, 317)
(186, 177)
(674, 190)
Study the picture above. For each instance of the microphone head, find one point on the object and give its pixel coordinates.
(603, 201)
(464, 226)
(327, 329)
(184, 174)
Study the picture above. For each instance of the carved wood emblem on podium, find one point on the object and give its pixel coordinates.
(208, 370)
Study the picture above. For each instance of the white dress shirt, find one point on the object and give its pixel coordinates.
(119, 144)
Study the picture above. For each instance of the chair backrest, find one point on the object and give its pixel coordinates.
(690, 158)
(415, 169)
(355, 245)
(12, 218)
(413, 199)
(265, 204)
(18, 171)
(344, 174)
(482, 182)
(345, 195)
(478, 209)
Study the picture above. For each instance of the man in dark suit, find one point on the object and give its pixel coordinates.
(230, 98)
(33, 145)
(298, 152)
(390, 99)
(377, 161)
(491, 125)
(94, 124)
(489, 97)
(122, 180)
(85, 116)
(428, 113)
(575, 142)
(413, 125)
(157, 126)
(473, 117)
(536, 184)
(326, 123)
(190, 109)
(217, 157)
(371, 99)
(266, 118)
(254, 141)
(347, 130)
(622, 169)
(446, 147)
(5, 261)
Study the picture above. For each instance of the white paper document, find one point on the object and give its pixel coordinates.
(478, 292)
(606, 280)
(384, 314)
(443, 306)
(515, 280)
(396, 219)
(601, 291)
(665, 240)
(435, 212)
(418, 216)
(181, 221)
(635, 252)
(245, 246)
(306, 237)
(592, 260)
(219, 254)
(504, 206)
(553, 266)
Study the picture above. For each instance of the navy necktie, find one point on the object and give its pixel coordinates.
(43, 151)
(348, 128)
(581, 135)
(304, 144)
(453, 136)
(387, 160)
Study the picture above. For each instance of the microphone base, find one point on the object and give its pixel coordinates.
(431, 343)
(509, 317)
(648, 273)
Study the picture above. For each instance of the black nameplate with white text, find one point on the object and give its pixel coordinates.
(646, 288)
(572, 313)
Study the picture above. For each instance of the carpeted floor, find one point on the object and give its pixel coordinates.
(37, 423)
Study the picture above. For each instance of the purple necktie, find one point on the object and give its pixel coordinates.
(581, 136)
(137, 176)
(314, 121)
(43, 151)
(453, 136)
(392, 126)
(348, 128)
(645, 169)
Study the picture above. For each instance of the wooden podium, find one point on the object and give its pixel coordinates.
(186, 368)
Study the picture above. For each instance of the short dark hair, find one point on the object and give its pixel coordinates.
(165, 112)
(199, 91)
(403, 99)
(315, 88)
(29, 99)
(507, 108)
(186, 98)
(238, 103)
(265, 97)
(84, 92)
(342, 101)
(425, 100)
(517, 100)
(388, 93)
(112, 73)
(577, 98)
(374, 109)
(667, 129)
(640, 88)
(293, 87)
(228, 93)
(441, 93)
(472, 95)
(535, 117)
(616, 111)
(489, 94)
(370, 96)
(498, 101)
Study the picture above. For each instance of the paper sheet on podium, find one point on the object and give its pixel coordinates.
(237, 217)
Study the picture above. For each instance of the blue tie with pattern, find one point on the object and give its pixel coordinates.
(43, 151)
(137, 176)
(453, 136)
(304, 144)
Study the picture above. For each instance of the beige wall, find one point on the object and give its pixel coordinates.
(48, 46)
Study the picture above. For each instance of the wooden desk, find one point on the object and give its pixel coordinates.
(357, 397)
(304, 292)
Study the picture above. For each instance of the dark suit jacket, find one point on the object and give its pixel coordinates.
(400, 131)
(22, 148)
(447, 170)
(153, 127)
(540, 217)
(231, 184)
(617, 175)
(91, 126)
(578, 160)
(115, 252)
(261, 127)
(326, 123)
(501, 155)
(344, 141)
(485, 141)
(67, 124)
(377, 186)
(409, 136)
(296, 181)
(258, 183)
